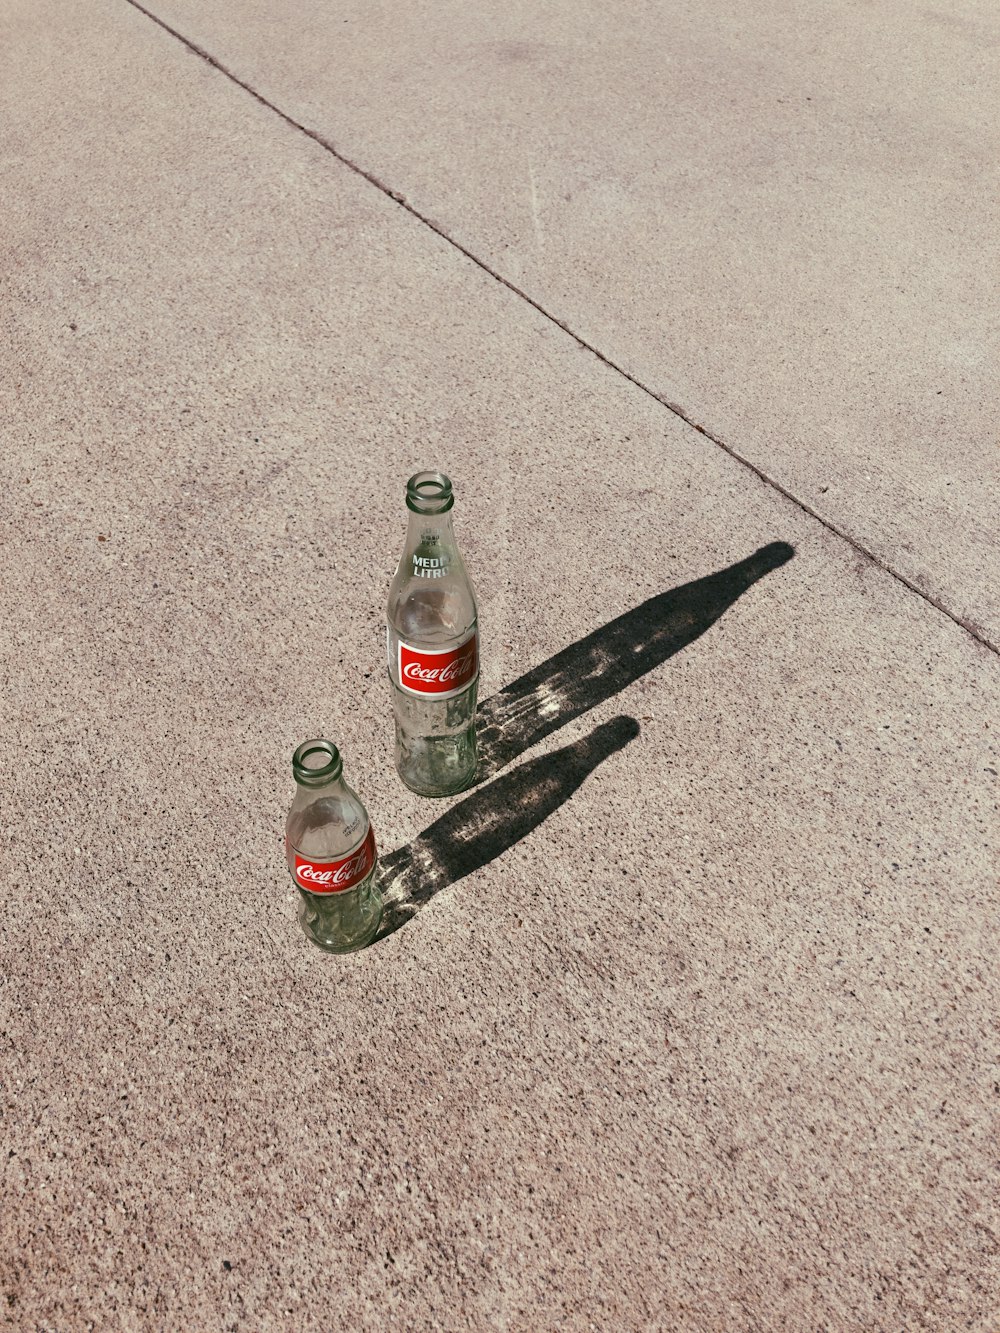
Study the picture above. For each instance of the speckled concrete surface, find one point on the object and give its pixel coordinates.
(779, 217)
(710, 1047)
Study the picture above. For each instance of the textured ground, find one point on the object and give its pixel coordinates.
(689, 1021)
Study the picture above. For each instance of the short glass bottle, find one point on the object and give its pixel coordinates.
(330, 852)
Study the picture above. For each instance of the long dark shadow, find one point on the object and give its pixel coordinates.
(492, 819)
(501, 811)
(598, 666)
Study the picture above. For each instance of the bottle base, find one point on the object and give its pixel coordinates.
(340, 948)
(437, 765)
(338, 927)
(437, 792)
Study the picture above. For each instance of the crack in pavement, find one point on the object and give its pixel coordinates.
(974, 630)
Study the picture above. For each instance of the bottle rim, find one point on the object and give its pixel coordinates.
(429, 493)
(316, 774)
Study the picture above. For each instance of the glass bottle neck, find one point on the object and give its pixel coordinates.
(436, 525)
(328, 786)
(430, 546)
(317, 764)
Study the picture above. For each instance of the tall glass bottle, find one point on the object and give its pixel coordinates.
(330, 851)
(433, 647)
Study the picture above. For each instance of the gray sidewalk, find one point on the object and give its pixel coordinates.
(707, 1039)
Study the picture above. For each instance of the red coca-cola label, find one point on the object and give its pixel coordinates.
(336, 876)
(441, 671)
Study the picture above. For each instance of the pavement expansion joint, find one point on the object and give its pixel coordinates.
(970, 627)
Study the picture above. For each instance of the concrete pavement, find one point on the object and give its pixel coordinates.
(780, 219)
(701, 1036)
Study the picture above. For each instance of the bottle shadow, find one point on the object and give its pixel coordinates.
(500, 811)
(492, 819)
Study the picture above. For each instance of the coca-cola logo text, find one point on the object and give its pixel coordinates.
(336, 876)
(439, 673)
(454, 673)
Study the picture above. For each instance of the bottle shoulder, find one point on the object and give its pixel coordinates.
(442, 613)
(326, 825)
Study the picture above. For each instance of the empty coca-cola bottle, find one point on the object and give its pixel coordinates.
(433, 647)
(330, 850)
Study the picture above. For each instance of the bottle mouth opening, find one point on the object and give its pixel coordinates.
(316, 762)
(429, 493)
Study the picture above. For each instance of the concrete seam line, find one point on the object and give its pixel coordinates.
(973, 630)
